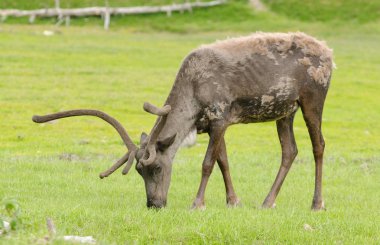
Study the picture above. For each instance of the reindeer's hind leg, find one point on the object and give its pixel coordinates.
(232, 199)
(312, 107)
(216, 133)
(289, 152)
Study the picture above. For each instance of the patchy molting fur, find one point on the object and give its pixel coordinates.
(215, 111)
(269, 44)
(305, 61)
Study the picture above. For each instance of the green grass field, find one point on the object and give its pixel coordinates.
(52, 169)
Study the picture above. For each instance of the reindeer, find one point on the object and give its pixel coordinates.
(257, 78)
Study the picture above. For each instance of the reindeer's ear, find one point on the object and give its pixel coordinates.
(165, 143)
(143, 138)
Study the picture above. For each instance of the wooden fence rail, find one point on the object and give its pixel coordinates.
(104, 12)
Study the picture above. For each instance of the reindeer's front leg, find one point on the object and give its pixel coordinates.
(216, 136)
(232, 199)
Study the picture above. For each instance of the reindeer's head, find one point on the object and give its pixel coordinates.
(154, 159)
(153, 156)
(156, 170)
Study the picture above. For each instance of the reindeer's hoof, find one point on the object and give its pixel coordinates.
(318, 206)
(233, 202)
(198, 205)
(268, 205)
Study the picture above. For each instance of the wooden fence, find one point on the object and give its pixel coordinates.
(105, 12)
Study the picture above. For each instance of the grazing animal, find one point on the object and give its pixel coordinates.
(257, 78)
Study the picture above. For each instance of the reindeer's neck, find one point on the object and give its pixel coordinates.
(181, 118)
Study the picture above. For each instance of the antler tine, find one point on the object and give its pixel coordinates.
(155, 110)
(163, 113)
(117, 165)
(129, 162)
(152, 156)
(132, 148)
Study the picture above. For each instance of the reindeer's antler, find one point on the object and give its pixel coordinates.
(151, 148)
(155, 110)
(132, 148)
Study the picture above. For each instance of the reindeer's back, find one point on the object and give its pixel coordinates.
(259, 59)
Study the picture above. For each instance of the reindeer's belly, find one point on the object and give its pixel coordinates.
(247, 110)
(261, 109)
(275, 98)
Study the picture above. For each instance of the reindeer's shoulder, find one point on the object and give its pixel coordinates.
(204, 56)
(202, 64)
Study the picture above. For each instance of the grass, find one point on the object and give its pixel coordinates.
(324, 10)
(52, 169)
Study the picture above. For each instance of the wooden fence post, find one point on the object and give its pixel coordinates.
(58, 9)
(32, 18)
(107, 16)
(67, 20)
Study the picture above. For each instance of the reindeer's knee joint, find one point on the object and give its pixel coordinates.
(288, 157)
(318, 150)
(290, 153)
(294, 152)
(206, 170)
(323, 144)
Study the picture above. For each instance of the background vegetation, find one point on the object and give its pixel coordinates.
(51, 169)
(325, 10)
